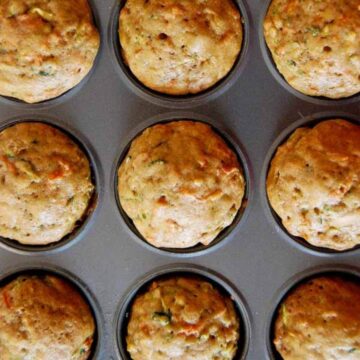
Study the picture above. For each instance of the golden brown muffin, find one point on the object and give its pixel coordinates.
(44, 318)
(45, 184)
(180, 184)
(320, 320)
(316, 45)
(182, 318)
(180, 47)
(314, 184)
(46, 47)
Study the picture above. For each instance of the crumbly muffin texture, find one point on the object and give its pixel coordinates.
(44, 318)
(182, 318)
(180, 184)
(45, 183)
(320, 320)
(316, 45)
(46, 47)
(180, 47)
(314, 184)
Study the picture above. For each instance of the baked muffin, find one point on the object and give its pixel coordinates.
(180, 47)
(46, 47)
(44, 318)
(180, 184)
(182, 318)
(314, 184)
(315, 45)
(45, 184)
(320, 319)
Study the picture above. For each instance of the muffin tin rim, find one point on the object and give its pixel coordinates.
(80, 286)
(220, 281)
(173, 101)
(292, 283)
(96, 200)
(270, 215)
(271, 66)
(67, 95)
(235, 145)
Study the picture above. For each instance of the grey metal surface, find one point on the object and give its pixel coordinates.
(257, 259)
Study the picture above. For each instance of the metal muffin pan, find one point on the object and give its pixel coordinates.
(233, 143)
(45, 269)
(257, 260)
(123, 313)
(185, 101)
(82, 224)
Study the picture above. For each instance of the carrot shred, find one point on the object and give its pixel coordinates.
(6, 299)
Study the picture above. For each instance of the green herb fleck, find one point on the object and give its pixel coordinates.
(291, 63)
(163, 317)
(315, 31)
(44, 73)
(352, 350)
(143, 216)
(82, 351)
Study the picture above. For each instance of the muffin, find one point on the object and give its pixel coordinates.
(315, 45)
(180, 47)
(182, 318)
(45, 184)
(46, 47)
(313, 184)
(320, 319)
(180, 184)
(44, 318)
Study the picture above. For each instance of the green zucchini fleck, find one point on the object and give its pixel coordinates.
(163, 317)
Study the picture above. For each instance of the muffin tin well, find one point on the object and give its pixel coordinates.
(273, 218)
(344, 271)
(123, 312)
(268, 59)
(240, 217)
(93, 207)
(250, 108)
(186, 101)
(42, 269)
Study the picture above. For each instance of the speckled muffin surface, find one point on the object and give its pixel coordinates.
(44, 318)
(320, 320)
(315, 45)
(45, 183)
(181, 184)
(182, 318)
(313, 184)
(46, 47)
(180, 47)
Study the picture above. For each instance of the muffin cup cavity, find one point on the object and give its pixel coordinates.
(242, 213)
(172, 101)
(270, 64)
(123, 311)
(67, 95)
(273, 218)
(83, 224)
(47, 269)
(344, 271)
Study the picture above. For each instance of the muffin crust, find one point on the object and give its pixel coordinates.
(46, 47)
(316, 45)
(314, 184)
(320, 320)
(182, 318)
(45, 183)
(180, 47)
(180, 184)
(44, 318)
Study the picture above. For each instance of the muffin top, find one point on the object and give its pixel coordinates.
(46, 47)
(44, 318)
(182, 318)
(320, 319)
(180, 184)
(45, 183)
(180, 47)
(314, 184)
(315, 45)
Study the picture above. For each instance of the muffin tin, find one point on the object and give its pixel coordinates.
(256, 257)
